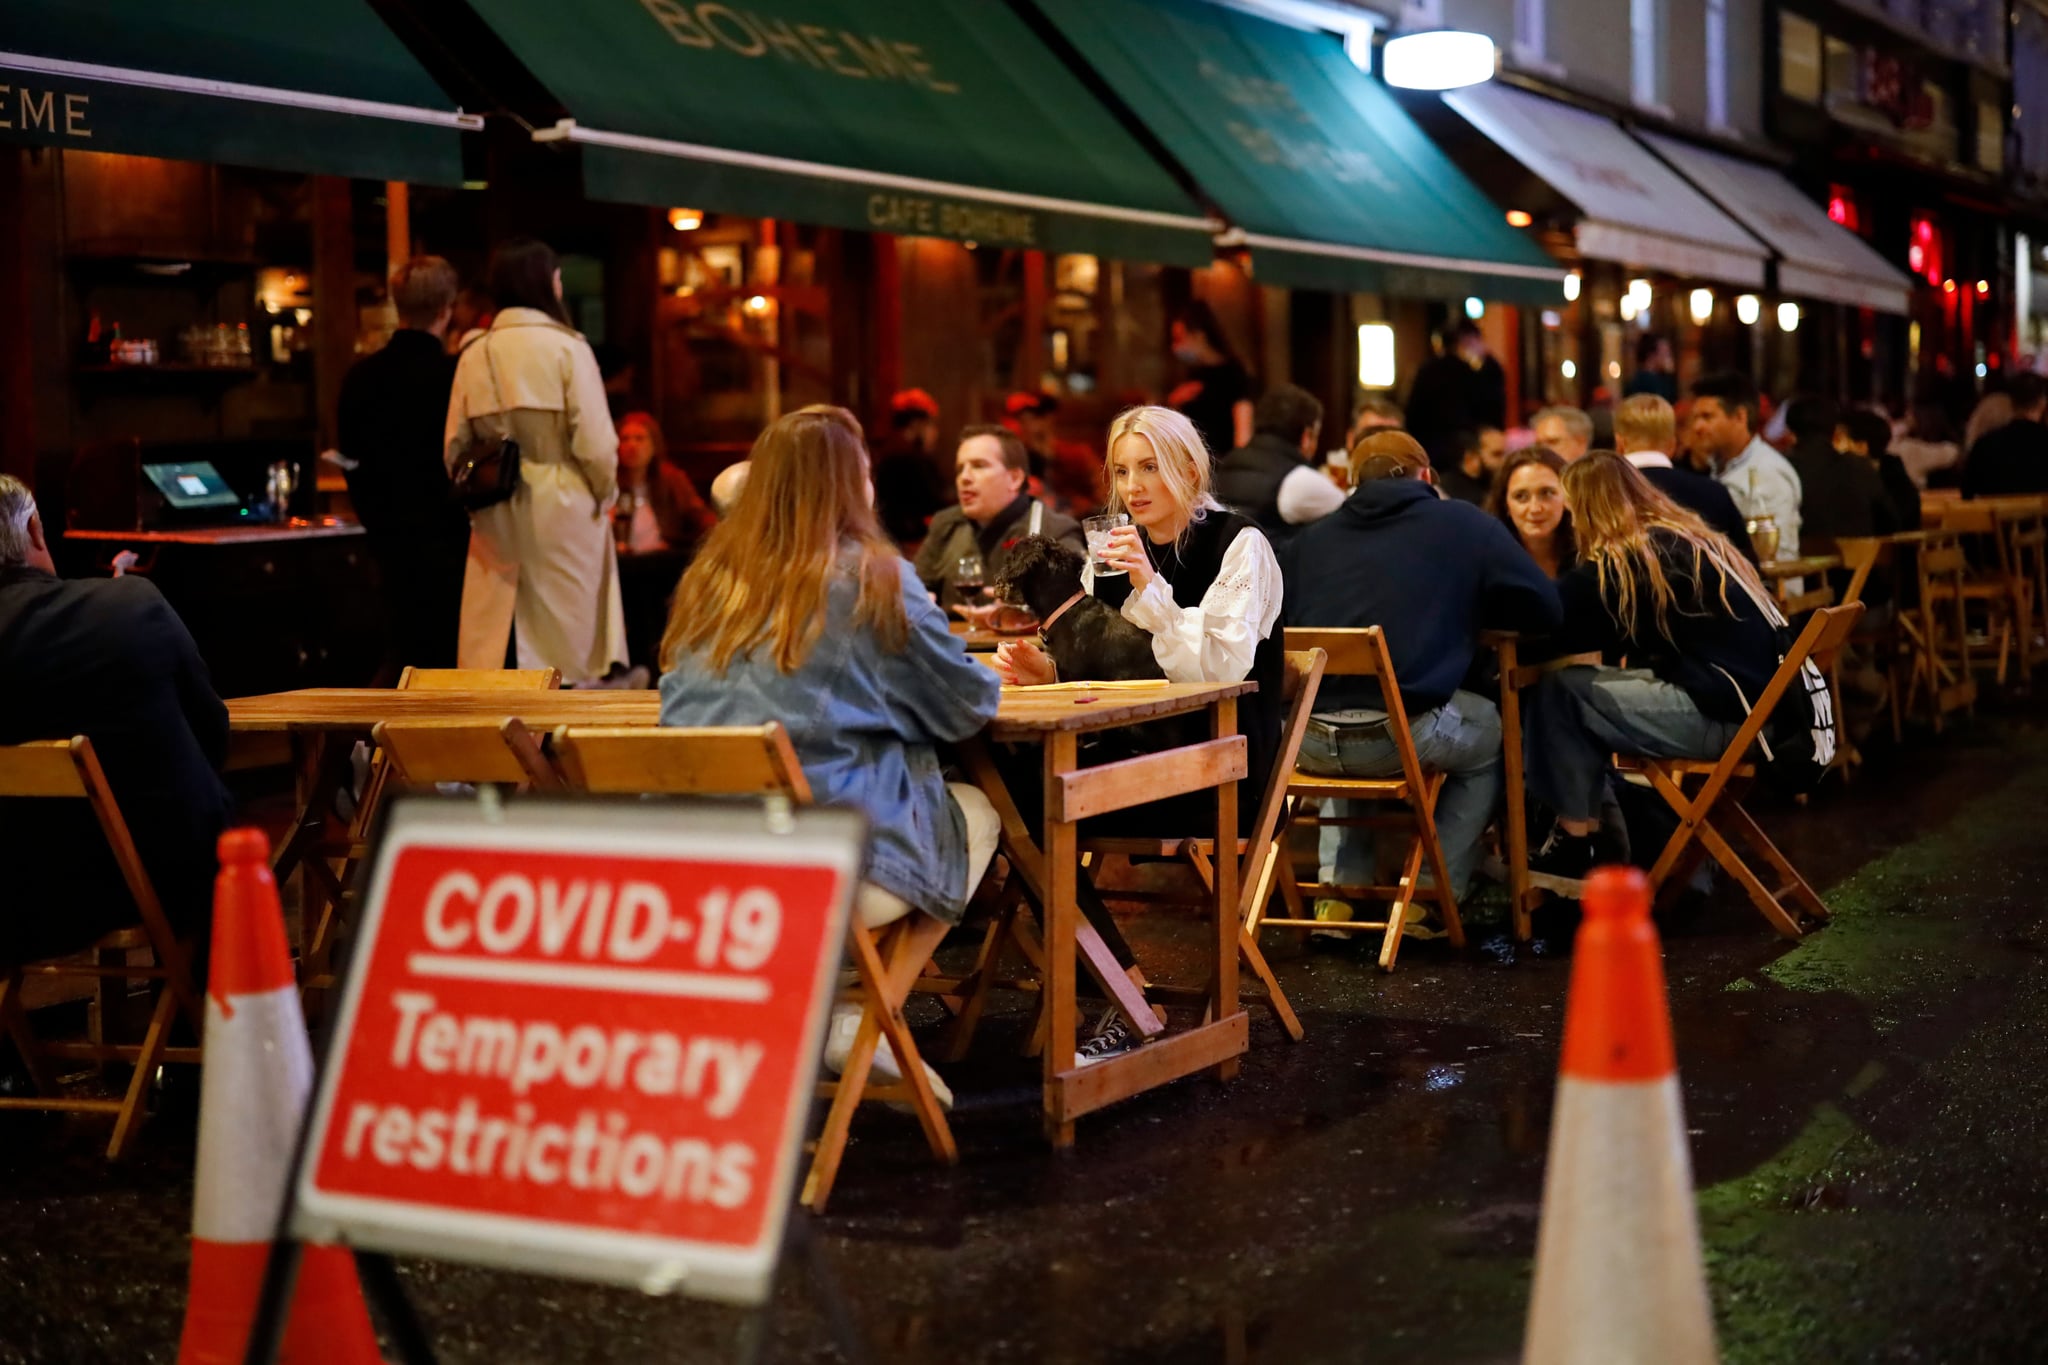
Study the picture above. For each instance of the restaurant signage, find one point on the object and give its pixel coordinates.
(581, 1039)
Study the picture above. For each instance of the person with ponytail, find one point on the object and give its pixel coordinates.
(1700, 634)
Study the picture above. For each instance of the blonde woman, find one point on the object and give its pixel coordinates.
(1198, 578)
(1203, 583)
(798, 609)
(1699, 631)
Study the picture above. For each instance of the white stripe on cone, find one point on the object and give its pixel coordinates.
(258, 1074)
(1618, 1273)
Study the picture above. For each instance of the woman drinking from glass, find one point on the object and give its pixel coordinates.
(1528, 497)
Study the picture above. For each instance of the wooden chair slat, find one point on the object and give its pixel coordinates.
(38, 771)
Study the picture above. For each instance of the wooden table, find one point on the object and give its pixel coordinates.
(1055, 718)
(1514, 677)
(980, 639)
(315, 729)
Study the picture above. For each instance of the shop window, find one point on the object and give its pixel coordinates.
(1646, 23)
(1799, 58)
(1990, 137)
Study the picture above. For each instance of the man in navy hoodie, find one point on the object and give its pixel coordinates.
(1432, 575)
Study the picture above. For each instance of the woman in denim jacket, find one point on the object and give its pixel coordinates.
(797, 609)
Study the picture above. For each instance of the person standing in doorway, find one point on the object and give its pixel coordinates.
(389, 423)
(908, 489)
(1656, 368)
(542, 588)
(1217, 394)
(1461, 388)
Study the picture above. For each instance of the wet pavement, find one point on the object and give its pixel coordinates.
(1866, 1111)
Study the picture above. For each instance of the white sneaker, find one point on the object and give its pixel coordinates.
(839, 1040)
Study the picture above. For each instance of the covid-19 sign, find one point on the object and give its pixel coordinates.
(581, 1038)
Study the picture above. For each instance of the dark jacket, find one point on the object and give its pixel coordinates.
(2011, 460)
(953, 537)
(109, 659)
(1901, 490)
(1841, 495)
(1449, 397)
(1249, 480)
(1431, 574)
(1719, 654)
(391, 421)
(908, 490)
(1706, 497)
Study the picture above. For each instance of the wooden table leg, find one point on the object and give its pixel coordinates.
(1517, 820)
(1029, 863)
(1227, 926)
(1062, 857)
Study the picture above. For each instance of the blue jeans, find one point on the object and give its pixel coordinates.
(1460, 739)
(1576, 718)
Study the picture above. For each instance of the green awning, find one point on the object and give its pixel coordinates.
(1331, 183)
(947, 119)
(310, 85)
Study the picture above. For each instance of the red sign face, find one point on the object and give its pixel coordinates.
(609, 1043)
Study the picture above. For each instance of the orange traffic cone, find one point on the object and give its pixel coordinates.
(1618, 1273)
(252, 1098)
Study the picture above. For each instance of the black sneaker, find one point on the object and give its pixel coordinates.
(1112, 1038)
(1561, 865)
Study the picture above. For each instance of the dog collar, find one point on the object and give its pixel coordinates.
(1058, 612)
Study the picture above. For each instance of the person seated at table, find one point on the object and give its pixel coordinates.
(1528, 498)
(1355, 569)
(1840, 495)
(1646, 435)
(2013, 460)
(1481, 452)
(990, 470)
(727, 487)
(665, 509)
(1202, 581)
(1700, 633)
(799, 609)
(1725, 413)
(1565, 430)
(1272, 479)
(109, 659)
(1867, 435)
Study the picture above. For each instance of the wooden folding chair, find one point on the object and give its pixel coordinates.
(1863, 556)
(1992, 586)
(67, 770)
(2026, 521)
(1936, 629)
(758, 760)
(1363, 654)
(423, 753)
(331, 884)
(1716, 804)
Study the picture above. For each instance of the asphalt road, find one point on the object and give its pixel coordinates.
(1865, 1107)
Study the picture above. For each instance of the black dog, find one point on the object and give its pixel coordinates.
(1089, 641)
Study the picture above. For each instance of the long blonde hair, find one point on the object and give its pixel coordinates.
(1183, 460)
(762, 575)
(1615, 511)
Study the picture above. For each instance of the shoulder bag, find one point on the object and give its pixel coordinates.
(487, 473)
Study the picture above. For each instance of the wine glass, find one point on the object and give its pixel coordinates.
(970, 580)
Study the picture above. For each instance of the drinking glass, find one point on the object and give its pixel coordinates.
(970, 580)
(1098, 529)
